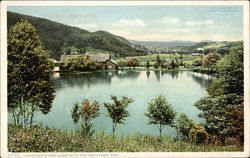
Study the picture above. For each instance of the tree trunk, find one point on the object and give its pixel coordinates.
(32, 115)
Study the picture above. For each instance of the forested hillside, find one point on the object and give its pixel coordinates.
(59, 38)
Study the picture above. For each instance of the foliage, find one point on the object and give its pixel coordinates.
(86, 112)
(160, 113)
(219, 116)
(148, 65)
(215, 89)
(197, 134)
(184, 125)
(210, 60)
(231, 71)
(173, 64)
(51, 140)
(197, 62)
(132, 62)
(30, 90)
(74, 113)
(117, 110)
(223, 109)
(81, 63)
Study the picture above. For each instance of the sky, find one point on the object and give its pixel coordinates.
(149, 23)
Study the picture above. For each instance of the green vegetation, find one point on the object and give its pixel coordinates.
(81, 63)
(30, 90)
(183, 125)
(223, 109)
(160, 113)
(50, 140)
(86, 112)
(132, 62)
(59, 38)
(117, 111)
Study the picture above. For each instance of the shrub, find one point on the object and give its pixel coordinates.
(197, 134)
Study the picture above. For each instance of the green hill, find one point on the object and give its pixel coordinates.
(59, 38)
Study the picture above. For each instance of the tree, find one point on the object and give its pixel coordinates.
(148, 65)
(86, 112)
(117, 110)
(223, 109)
(210, 60)
(231, 71)
(184, 125)
(30, 89)
(81, 63)
(156, 65)
(173, 64)
(160, 113)
(158, 59)
(75, 114)
(132, 62)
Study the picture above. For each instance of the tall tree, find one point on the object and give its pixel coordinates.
(160, 113)
(29, 70)
(117, 110)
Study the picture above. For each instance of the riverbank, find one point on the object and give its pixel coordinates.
(51, 140)
(127, 69)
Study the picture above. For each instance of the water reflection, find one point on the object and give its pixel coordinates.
(203, 80)
(90, 79)
(157, 75)
(148, 74)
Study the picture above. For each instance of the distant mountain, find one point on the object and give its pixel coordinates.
(163, 44)
(59, 38)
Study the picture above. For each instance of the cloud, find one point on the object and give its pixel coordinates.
(195, 23)
(86, 26)
(126, 23)
(170, 20)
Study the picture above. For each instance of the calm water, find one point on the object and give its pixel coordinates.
(182, 90)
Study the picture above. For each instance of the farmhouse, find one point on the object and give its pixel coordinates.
(104, 59)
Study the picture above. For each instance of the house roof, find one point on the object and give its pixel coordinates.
(99, 57)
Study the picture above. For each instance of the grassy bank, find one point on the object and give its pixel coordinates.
(51, 140)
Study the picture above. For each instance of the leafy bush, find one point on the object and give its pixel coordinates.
(197, 134)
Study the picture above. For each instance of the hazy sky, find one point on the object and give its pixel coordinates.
(149, 23)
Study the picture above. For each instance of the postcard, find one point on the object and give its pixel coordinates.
(125, 79)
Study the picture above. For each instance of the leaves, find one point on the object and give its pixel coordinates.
(86, 112)
(160, 112)
(117, 110)
(132, 62)
(29, 70)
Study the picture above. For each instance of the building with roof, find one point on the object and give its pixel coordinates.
(104, 59)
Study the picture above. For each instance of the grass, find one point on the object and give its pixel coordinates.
(51, 140)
